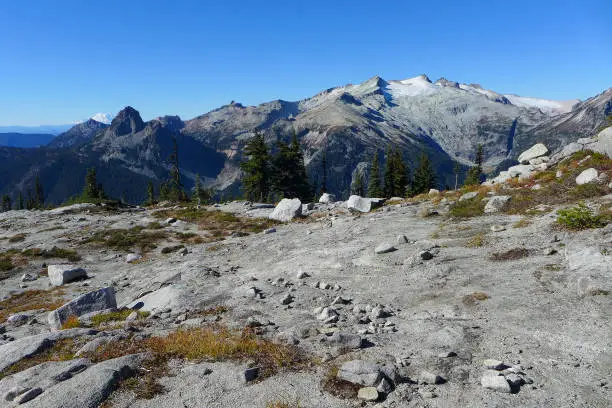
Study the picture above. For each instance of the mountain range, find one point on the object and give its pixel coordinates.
(348, 124)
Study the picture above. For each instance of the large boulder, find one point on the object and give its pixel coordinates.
(327, 198)
(287, 210)
(522, 171)
(60, 274)
(360, 372)
(497, 204)
(363, 204)
(533, 152)
(89, 302)
(587, 176)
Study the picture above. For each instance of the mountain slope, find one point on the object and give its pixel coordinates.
(78, 135)
(14, 139)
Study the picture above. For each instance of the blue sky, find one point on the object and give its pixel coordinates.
(61, 61)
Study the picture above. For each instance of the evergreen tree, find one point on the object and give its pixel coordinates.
(92, 191)
(388, 173)
(456, 170)
(176, 192)
(289, 172)
(375, 182)
(256, 180)
(424, 176)
(150, 193)
(20, 203)
(200, 195)
(164, 191)
(7, 204)
(39, 196)
(358, 187)
(475, 175)
(30, 202)
(400, 175)
(324, 170)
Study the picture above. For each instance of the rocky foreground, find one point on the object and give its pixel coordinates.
(349, 304)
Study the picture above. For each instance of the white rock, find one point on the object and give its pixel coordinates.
(384, 248)
(495, 383)
(89, 302)
(401, 239)
(433, 192)
(302, 275)
(132, 258)
(497, 228)
(367, 394)
(359, 203)
(497, 204)
(587, 176)
(60, 274)
(469, 196)
(286, 210)
(533, 152)
(328, 314)
(539, 160)
(327, 198)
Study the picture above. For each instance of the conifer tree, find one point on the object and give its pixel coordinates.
(324, 171)
(456, 170)
(164, 191)
(400, 175)
(7, 204)
(358, 187)
(475, 175)
(289, 172)
(150, 193)
(20, 203)
(256, 180)
(175, 186)
(375, 182)
(39, 196)
(92, 191)
(424, 176)
(388, 173)
(200, 194)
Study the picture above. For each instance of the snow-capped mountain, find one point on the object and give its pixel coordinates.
(105, 118)
(347, 124)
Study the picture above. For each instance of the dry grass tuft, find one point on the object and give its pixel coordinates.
(476, 241)
(71, 323)
(127, 239)
(474, 298)
(17, 238)
(31, 300)
(511, 255)
(118, 316)
(522, 223)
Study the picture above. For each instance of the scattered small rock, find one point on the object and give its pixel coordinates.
(367, 394)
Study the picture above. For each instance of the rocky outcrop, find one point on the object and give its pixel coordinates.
(97, 300)
(286, 210)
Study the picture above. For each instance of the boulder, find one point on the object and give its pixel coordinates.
(346, 340)
(539, 160)
(497, 204)
(60, 274)
(287, 210)
(89, 302)
(433, 192)
(368, 394)
(587, 176)
(327, 198)
(384, 248)
(132, 258)
(522, 171)
(469, 196)
(360, 372)
(533, 152)
(495, 382)
(359, 203)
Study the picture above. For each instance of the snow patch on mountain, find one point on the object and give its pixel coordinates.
(547, 106)
(105, 118)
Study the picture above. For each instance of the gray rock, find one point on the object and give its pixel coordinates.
(384, 387)
(433, 192)
(287, 299)
(60, 274)
(302, 275)
(430, 378)
(28, 395)
(533, 152)
(251, 374)
(495, 383)
(269, 230)
(18, 319)
(359, 203)
(494, 364)
(89, 302)
(515, 380)
(497, 228)
(132, 258)
(327, 198)
(286, 210)
(497, 204)
(353, 341)
(469, 196)
(91, 387)
(426, 255)
(384, 248)
(367, 394)
(360, 372)
(26, 277)
(170, 220)
(329, 315)
(539, 160)
(401, 239)
(587, 176)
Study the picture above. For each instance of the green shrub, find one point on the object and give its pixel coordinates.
(468, 208)
(581, 217)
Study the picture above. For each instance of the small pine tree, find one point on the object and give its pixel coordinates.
(324, 171)
(176, 192)
(456, 170)
(475, 175)
(39, 196)
(200, 195)
(7, 203)
(289, 172)
(358, 187)
(256, 181)
(164, 191)
(388, 173)
(92, 191)
(375, 183)
(424, 176)
(20, 203)
(400, 175)
(150, 193)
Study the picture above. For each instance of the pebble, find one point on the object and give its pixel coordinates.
(497, 228)
(287, 299)
(367, 394)
(302, 275)
(251, 373)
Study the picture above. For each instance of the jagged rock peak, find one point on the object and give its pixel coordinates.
(173, 122)
(127, 121)
(445, 82)
(424, 78)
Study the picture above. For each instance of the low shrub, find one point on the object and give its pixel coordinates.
(581, 217)
(468, 208)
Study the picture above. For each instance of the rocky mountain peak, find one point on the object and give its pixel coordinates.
(127, 121)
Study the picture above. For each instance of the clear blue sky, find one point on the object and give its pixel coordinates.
(61, 61)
